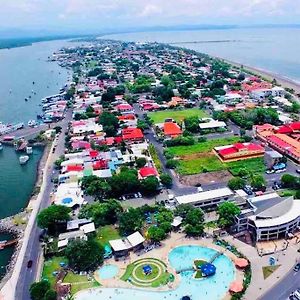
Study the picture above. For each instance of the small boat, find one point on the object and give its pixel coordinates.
(29, 150)
(31, 123)
(29, 96)
(33, 82)
(23, 159)
(26, 99)
(1, 147)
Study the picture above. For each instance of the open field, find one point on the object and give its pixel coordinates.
(50, 266)
(203, 147)
(105, 234)
(79, 282)
(252, 165)
(177, 115)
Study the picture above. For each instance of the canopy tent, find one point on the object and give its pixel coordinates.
(236, 287)
(147, 269)
(67, 200)
(208, 269)
(241, 262)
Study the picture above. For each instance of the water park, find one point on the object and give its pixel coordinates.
(189, 271)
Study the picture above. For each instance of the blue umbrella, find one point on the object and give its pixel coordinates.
(67, 200)
(208, 269)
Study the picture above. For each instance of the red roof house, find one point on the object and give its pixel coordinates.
(124, 107)
(74, 168)
(239, 151)
(132, 134)
(171, 129)
(147, 171)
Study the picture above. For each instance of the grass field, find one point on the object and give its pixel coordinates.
(287, 193)
(177, 115)
(269, 270)
(105, 234)
(50, 266)
(203, 147)
(79, 282)
(252, 165)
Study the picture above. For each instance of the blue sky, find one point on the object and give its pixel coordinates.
(100, 14)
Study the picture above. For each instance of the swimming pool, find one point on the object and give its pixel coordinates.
(108, 271)
(213, 288)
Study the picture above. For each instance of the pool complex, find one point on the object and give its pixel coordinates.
(182, 257)
(108, 272)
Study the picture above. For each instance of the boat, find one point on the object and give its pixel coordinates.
(29, 150)
(1, 147)
(26, 99)
(31, 123)
(23, 159)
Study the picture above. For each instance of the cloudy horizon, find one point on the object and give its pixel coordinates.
(117, 14)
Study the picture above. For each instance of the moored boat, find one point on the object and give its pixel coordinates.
(23, 159)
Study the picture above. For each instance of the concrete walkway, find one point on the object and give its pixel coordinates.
(259, 285)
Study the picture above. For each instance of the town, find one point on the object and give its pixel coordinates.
(165, 166)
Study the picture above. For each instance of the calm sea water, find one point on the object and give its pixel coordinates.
(276, 50)
(19, 67)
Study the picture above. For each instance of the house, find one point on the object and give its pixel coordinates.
(147, 172)
(171, 130)
(69, 194)
(175, 101)
(239, 151)
(64, 238)
(132, 134)
(209, 123)
(272, 158)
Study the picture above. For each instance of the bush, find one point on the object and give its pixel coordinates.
(181, 141)
(202, 139)
(166, 179)
(236, 183)
(171, 163)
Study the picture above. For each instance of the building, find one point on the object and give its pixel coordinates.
(132, 134)
(210, 199)
(171, 130)
(239, 151)
(147, 172)
(272, 158)
(209, 123)
(270, 217)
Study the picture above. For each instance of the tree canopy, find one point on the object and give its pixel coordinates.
(84, 255)
(109, 122)
(227, 211)
(130, 221)
(236, 183)
(42, 291)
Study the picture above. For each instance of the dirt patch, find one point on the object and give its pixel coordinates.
(205, 178)
(196, 155)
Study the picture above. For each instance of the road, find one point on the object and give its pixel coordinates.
(34, 250)
(284, 288)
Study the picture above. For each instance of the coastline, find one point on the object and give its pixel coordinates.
(265, 74)
(7, 224)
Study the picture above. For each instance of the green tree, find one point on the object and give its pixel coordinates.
(194, 230)
(84, 255)
(166, 180)
(130, 221)
(289, 181)
(194, 217)
(150, 185)
(39, 289)
(95, 186)
(109, 122)
(141, 124)
(102, 213)
(227, 211)
(52, 216)
(192, 124)
(183, 209)
(258, 181)
(171, 163)
(236, 183)
(297, 195)
(50, 295)
(140, 162)
(156, 234)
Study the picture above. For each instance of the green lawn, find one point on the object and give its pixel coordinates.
(79, 282)
(177, 115)
(287, 193)
(269, 270)
(252, 165)
(50, 266)
(105, 234)
(203, 147)
(141, 275)
(200, 165)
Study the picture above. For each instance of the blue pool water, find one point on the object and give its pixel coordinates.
(108, 271)
(213, 288)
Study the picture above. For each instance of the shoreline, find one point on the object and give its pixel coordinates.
(265, 74)
(17, 230)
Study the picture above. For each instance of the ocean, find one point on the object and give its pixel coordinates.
(274, 49)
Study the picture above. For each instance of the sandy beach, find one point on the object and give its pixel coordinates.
(268, 75)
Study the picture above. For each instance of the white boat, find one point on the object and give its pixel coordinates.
(31, 123)
(1, 147)
(29, 150)
(23, 159)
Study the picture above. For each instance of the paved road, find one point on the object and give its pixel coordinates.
(34, 250)
(177, 188)
(284, 288)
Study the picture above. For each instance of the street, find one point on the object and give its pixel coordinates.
(34, 250)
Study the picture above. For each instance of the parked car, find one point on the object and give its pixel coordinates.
(297, 267)
(298, 171)
(295, 295)
(29, 264)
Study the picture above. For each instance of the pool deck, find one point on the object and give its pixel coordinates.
(162, 253)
